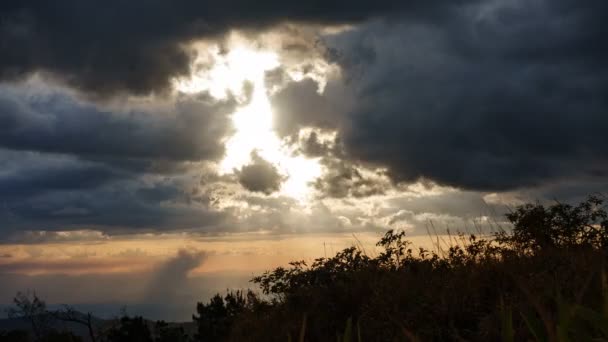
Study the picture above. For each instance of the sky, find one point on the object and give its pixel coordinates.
(153, 153)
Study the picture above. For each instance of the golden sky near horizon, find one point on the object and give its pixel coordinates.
(241, 253)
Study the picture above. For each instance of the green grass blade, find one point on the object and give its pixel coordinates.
(348, 331)
(506, 322)
(605, 294)
(302, 329)
(535, 327)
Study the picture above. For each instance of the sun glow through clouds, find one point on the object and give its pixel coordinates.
(254, 119)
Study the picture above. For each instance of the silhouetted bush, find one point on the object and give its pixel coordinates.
(167, 333)
(49, 336)
(130, 329)
(14, 336)
(545, 280)
(536, 227)
(216, 318)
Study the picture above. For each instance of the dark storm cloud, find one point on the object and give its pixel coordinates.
(119, 207)
(138, 46)
(31, 173)
(503, 95)
(69, 164)
(460, 204)
(343, 179)
(299, 104)
(493, 95)
(260, 176)
(189, 129)
(311, 146)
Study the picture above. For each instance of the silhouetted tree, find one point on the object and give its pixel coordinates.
(215, 318)
(49, 336)
(130, 329)
(544, 279)
(560, 225)
(69, 314)
(167, 333)
(14, 336)
(61, 336)
(31, 308)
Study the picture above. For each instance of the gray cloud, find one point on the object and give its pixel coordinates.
(299, 105)
(503, 95)
(170, 279)
(112, 47)
(59, 192)
(30, 173)
(465, 205)
(343, 179)
(71, 164)
(312, 146)
(190, 128)
(490, 96)
(260, 176)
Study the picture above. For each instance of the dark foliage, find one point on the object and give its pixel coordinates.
(536, 227)
(543, 281)
(167, 333)
(14, 336)
(29, 307)
(216, 318)
(51, 336)
(61, 336)
(130, 329)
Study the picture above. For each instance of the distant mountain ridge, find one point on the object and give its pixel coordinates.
(81, 330)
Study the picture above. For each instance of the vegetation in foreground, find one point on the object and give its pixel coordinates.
(543, 280)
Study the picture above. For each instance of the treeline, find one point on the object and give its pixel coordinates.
(543, 280)
(69, 325)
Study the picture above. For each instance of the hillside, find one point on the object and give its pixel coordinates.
(543, 280)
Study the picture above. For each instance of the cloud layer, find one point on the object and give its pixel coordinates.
(497, 97)
(260, 176)
(501, 95)
(67, 162)
(112, 47)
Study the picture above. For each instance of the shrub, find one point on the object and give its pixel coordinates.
(540, 281)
